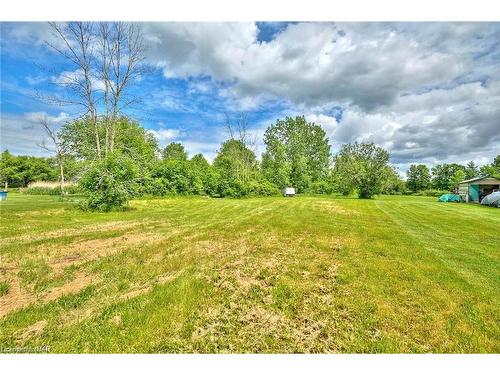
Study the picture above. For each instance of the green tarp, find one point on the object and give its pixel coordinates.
(450, 198)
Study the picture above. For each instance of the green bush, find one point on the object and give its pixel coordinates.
(261, 188)
(321, 187)
(109, 183)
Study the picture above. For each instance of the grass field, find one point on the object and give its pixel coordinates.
(305, 274)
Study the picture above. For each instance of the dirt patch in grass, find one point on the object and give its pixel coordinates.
(87, 250)
(30, 332)
(80, 281)
(335, 208)
(19, 297)
(16, 298)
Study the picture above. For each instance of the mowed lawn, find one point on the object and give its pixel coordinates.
(305, 274)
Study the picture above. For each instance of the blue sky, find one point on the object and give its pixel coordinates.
(427, 92)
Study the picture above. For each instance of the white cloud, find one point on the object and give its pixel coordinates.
(367, 65)
(21, 134)
(35, 117)
(164, 135)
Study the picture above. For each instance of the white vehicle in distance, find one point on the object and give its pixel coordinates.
(288, 192)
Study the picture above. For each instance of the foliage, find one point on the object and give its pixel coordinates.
(174, 151)
(442, 175)
(172, 176)
(492, 169)
(236, 166)
(19, 171)
(109, 183)
(471, 170)
(362, 166)
(418, 177)
(321, 187)
(431, 193)
(297, 153)
(131, 140)
(457, 177)
(392, 183)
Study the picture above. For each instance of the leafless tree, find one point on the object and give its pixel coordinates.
(57, 148)
(76, 43)
(239, 131)
(122, 52)
(107, 59)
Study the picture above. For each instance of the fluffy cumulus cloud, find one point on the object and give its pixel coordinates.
(428, 92)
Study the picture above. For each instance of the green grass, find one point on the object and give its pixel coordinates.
(306, 274)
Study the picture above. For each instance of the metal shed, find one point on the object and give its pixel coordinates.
(477, 188)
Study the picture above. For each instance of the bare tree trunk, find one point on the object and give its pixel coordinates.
(59, 149)
(113, 54)
(61, 172)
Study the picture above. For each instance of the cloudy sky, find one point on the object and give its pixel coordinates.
(427, 92)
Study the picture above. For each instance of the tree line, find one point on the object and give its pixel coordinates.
(114, 158)
(446, 176)
(297, 154)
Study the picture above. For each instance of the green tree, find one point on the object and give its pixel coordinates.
(174, 151)
(457, 177)
(19, 171)
(297, 153)
(418, 177)
(492, 169)
(362, 166)
(442, 175)
(236, 165)
(392, 183)
(198, 161)
(471, 170)
(131, 140)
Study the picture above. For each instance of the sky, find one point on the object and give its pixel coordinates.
(427, 92)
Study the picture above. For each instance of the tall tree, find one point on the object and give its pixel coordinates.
(471, 170)
(244, 149)
(174, 151)
(363, 166)
(104, 61)
(132, 140)
(236, 162)
(297, 153)
(418, 177)
(442, 175)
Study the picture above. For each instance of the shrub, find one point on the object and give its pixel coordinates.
(109, 183)
(321, 187)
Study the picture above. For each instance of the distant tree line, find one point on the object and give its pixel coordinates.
(297, 154)
(446, 176)
(114, 158)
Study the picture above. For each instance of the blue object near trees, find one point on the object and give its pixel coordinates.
(450, 198)
(3, 195)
